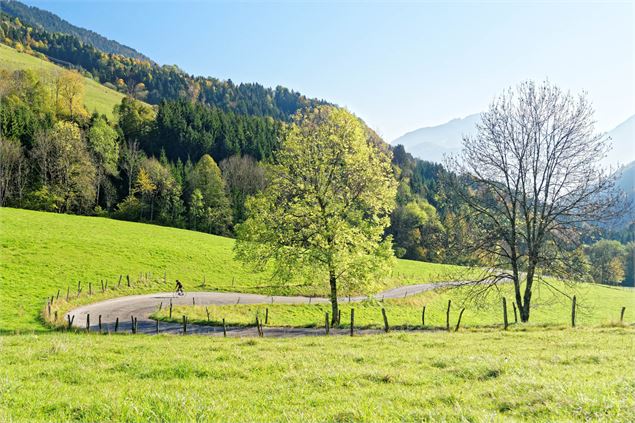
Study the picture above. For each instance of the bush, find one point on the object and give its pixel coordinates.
(129, 209)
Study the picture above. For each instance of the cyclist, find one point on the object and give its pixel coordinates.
(179, 288)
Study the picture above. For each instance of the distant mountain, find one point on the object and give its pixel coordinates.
(626, 180)
(48, 21)
(433, 142)
(623, 140)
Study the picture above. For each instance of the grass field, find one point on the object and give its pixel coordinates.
(545, 371)
(97, 97)
(43, 252)
(550, 375)
(597, 305)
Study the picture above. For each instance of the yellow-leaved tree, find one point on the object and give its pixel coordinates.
(324, 211)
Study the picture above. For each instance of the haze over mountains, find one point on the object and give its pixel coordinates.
(434, 142)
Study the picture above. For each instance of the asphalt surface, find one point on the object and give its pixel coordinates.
(124, 309)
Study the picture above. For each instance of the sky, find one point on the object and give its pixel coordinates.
(398, 65)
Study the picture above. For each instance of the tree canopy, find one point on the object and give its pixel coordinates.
(325, 208)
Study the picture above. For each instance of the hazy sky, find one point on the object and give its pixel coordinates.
(398, 65)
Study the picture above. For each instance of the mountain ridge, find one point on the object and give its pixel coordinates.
(432, 142)
(51, 22)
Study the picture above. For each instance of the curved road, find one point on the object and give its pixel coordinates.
(141, 306)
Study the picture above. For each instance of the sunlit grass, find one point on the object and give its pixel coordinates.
(596, 305)
(548, 375)
(41, 253)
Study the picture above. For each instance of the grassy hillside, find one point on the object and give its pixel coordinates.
(43, 252)
(549, 375)
(97, 97)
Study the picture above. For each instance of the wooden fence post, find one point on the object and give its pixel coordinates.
(447, 316)
(224, 328)
(116, 324)
(128, 280)
(505, 323)
(55, 320)
(383, 313)
(193, 301)
(119, 283)
(90, 288)
(157, 327)
(267, 316)
(132, 324)
(423, 316)
(622, 315)
(68, 318)
(458, 323)
(515, 313)
(58, 295)
(88, 323)
(100, 323)
(352, 321)
(573, 311)
(326, 322)
(184, 325)
(207, 311)
(170, 309)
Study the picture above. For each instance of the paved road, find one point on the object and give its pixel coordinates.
(141, 306)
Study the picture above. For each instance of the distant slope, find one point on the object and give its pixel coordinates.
(432, 143)
(97, 96)
(53, 23)
(623, 140)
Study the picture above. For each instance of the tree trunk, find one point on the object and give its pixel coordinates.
(334, 308)
(525, 305)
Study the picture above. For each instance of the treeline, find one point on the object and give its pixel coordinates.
(158, 166)
(147, 81)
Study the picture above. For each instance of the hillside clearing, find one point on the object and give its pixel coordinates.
(97, 97)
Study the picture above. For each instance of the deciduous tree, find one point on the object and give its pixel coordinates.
(531, 181)
(325, 209)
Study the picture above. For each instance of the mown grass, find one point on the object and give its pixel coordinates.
(577, 374)
(43, 252)
(596, 305)
(97, 97)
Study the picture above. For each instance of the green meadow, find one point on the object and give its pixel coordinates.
(41, 253)
(545, 370)
(482, 376)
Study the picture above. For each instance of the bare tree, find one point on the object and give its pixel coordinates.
(531, 183)
(12, 165)
(131, 158)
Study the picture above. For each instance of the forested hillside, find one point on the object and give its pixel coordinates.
(48, 21)
(148, 81)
